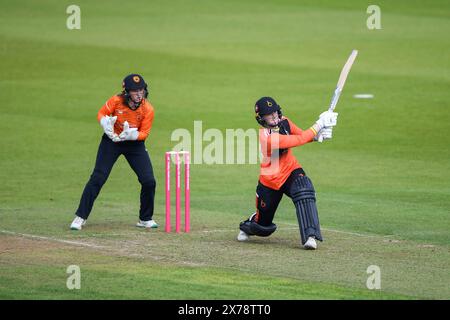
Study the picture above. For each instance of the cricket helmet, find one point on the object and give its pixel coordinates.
(265, 106)
(133, 82)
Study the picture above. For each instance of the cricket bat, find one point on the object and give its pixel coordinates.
(340, 85)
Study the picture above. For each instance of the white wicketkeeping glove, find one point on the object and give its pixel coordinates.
(324, 134)
(107, 124)
(128, 133)
(327, 119)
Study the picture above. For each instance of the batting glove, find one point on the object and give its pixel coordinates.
(326, 119)
(324, 134)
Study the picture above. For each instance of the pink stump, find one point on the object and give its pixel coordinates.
(167, 228)
(187, 194)
(178, 193)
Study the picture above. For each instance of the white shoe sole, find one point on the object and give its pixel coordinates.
(140, 225)
(242, 236)
(76, 227)
(310, 245)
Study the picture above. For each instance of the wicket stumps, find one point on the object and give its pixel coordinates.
(187, 200)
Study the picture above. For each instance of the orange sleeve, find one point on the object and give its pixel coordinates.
(280, 141)
(107, 109)
(294, 129)
(146, 124)
(297, 131)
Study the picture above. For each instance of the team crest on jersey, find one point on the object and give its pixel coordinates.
(136, 79)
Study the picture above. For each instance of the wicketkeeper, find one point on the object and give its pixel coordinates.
(126, 119)
(281, 173)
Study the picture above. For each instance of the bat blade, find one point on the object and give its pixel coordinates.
(343, 76)
(340, 85)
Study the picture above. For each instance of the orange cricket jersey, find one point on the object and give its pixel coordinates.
(141, 118)
(275, 168)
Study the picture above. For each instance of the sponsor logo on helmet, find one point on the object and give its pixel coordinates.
(136, 79)
(269, 103)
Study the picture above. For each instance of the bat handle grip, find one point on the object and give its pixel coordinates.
(320, 139)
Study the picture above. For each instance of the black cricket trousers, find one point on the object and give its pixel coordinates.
(139, 160)
(267, 199)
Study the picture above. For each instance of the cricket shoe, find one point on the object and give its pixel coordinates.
(311, 244)
(147, 224)
(77, 223)
(242, 236)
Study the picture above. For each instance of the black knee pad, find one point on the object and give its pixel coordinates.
(254, 229)
(304, 198)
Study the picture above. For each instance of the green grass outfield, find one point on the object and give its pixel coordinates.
(382, 183)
